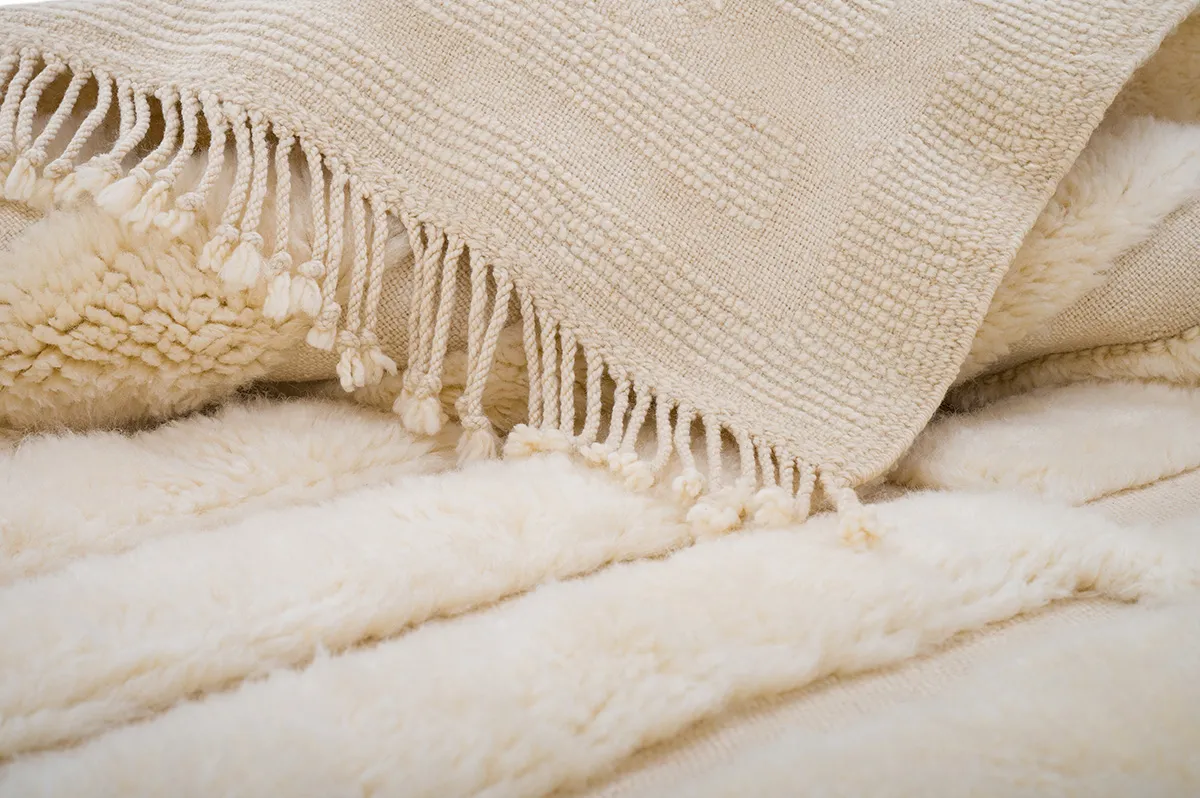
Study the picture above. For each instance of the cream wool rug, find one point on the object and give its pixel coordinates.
(299, 597)
(345, 624)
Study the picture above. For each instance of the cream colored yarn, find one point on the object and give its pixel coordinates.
(125, 329)
(728, 218)
(1106, 310)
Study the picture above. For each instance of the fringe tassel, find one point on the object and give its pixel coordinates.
(771, 486)
(21, 183)
(61, 168)
(242, 269)
(125, 107)
(351, 369)
(377, 362)
(665, 437)
(13, 100)
(566, 384)
(804, 492)
(154, 201)
(858, 524)
(418, 405)
(533, 368)
(278, 305)
(478, 439)
(220, 246)
(597, 453)
(593, 399)
(690, 483)
(103, 170)
(415, 232)
(181, 218)
(361, 361)
(304, 290)
(636, 473)
(425, 286)
(773, 504)
(323, 333)
(124, 198)
(23, 135)
(9, 67)
(549, 375)
(556, 431)
(718, 511)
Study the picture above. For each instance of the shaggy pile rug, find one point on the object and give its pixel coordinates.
(240, 604)
(221, 574)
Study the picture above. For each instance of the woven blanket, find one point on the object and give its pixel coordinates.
(774, 222)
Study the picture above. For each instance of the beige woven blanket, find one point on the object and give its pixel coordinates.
(770, 221)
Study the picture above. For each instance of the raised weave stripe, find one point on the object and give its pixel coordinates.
(845, 24)
(816, 309)
(739, 164)
(694, 329)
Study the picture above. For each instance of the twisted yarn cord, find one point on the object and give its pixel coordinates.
(12, 102)
(616, 423)
(104, 97)
(281, 258)
(591, 420)
(566, 382)
(549, 388)
(37, 153)
(158, 157)
(260, 162)
(218, 128)
(533, 364)
(471, 410)
(445, 314)
(33, 94)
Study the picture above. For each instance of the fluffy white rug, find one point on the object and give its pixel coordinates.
(299, 599)
(252, 607)
(1085, 714)
(1077, 443)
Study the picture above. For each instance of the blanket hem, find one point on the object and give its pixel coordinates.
(772, 486)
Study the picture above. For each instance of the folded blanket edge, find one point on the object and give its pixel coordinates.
(771, 484)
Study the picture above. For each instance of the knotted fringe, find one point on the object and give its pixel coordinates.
(138, 180)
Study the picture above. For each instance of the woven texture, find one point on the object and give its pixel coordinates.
(726, 208)
(14, 220)
(1152, 292)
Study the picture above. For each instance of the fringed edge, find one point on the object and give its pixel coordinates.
(137, 181)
